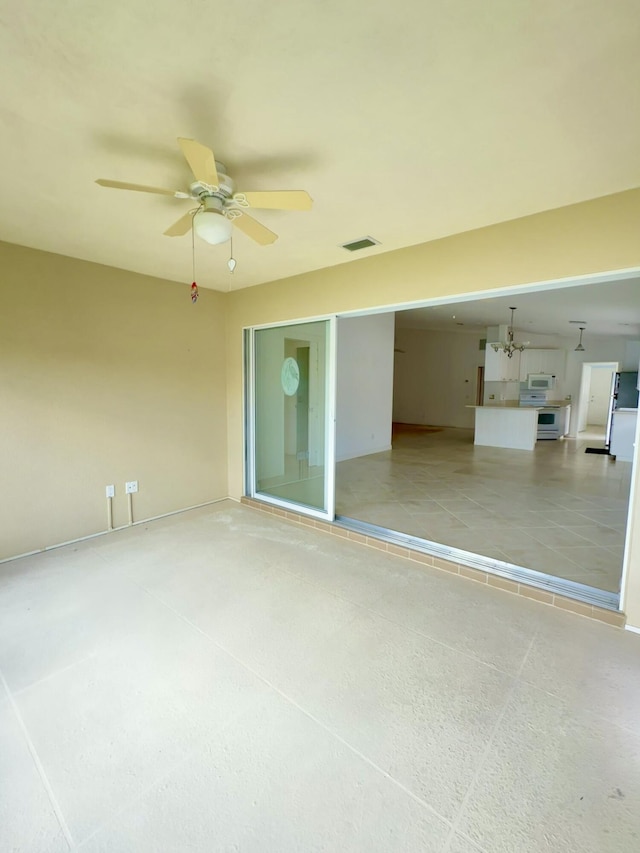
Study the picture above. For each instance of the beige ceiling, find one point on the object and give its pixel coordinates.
(405, 121)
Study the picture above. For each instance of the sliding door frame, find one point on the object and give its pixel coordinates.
(250, 480)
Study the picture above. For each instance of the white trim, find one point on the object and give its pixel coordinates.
(252, 412)
(250, 484)
(330, 420)
(632, 629)
(451, 299)
(248, 420)
(122, 527)
(511, 290)
(301, 321)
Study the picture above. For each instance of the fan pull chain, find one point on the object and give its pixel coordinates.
(194, 286)
(231, 263)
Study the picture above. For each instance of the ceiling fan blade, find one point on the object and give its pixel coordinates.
(254, 229)
(201, 160)
(280, 199)
(180, 227)
(140, 188)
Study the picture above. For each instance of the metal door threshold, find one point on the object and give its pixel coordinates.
(519, 574)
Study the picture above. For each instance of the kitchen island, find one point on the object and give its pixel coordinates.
(506, 425)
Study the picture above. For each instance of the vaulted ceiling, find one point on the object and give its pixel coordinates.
(406, 122)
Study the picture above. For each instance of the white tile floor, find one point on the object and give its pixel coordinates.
(558, 509)
(222, 680)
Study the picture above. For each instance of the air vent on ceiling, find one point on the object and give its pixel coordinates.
(362, 243)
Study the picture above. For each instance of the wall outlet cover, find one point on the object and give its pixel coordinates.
(131, 487)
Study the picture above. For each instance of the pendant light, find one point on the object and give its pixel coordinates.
(580, 348)
(509, 346)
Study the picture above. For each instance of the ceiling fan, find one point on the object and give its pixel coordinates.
(219, 205)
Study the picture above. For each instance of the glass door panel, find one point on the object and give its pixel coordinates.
(292, 416)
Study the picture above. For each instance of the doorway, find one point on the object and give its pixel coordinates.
(555, 516)
(595, 403)
(457, 504)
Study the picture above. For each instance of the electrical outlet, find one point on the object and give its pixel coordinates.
(111, 491)
(131, 487)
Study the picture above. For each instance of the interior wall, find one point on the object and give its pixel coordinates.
(598, 236)
(364, 385)
(107, 376)
(435, 377)
(631, 359)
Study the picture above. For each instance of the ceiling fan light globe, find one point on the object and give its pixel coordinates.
(212, 227)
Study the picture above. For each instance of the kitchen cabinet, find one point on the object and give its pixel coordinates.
(542, 361)
(498, 367)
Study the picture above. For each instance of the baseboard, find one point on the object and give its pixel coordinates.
(106, 532)
(632, 629)
(344, 457)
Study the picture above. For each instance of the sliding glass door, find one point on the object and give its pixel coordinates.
(291, 422)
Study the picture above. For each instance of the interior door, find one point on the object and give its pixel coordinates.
(292, 416)
(600, 395)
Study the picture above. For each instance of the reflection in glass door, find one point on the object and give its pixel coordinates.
(291, 420)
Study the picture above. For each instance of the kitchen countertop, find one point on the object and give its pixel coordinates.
(514, 404)
(511, 406)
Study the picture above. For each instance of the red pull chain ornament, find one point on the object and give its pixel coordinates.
(194, 286)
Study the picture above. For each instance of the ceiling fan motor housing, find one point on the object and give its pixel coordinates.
(226, 187)
(213, 203)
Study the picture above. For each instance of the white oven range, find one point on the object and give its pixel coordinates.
(549, 417)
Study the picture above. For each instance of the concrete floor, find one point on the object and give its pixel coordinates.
(221, 680)
(557, 509)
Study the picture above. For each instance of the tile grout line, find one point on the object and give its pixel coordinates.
(136, 799)
(39, 767)
(54, 673)
(368, 608)
(472, 785)
(302, 710)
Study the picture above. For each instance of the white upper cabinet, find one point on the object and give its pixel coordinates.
(542, 361)
(498, 367)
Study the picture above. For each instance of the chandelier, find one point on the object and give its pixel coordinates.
(509, 346)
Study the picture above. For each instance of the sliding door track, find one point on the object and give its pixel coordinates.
(540, 580)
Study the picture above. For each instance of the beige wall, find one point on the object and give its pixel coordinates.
(593, 237)
(435, 377)
(105, 376)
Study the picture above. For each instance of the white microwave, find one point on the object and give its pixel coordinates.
(540, 381)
